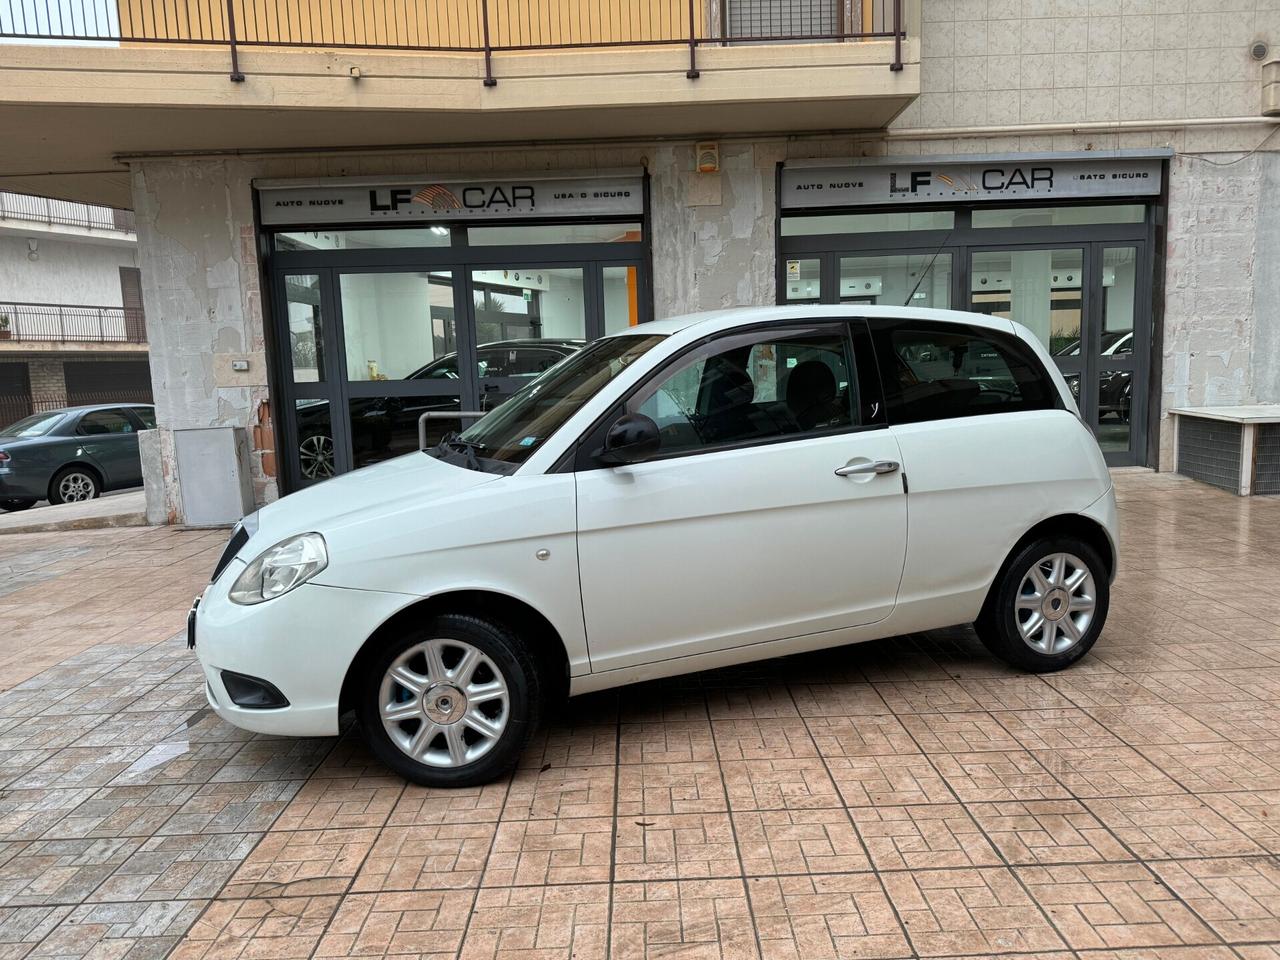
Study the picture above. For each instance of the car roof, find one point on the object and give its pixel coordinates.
(717, 320)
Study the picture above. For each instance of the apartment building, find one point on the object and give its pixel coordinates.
(72, 325)
(351, 214)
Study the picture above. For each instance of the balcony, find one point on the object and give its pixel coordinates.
(203, 76)
(38, 326)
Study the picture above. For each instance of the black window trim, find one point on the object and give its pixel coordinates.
(881, 327)
(578, 457)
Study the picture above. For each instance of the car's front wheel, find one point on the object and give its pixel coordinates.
(1048, 607)
(452, 703)
(13, 504)
(74, 485)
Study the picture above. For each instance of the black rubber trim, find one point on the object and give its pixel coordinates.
(251, 693)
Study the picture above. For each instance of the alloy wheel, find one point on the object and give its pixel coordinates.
(1055, 604)
(444, 703)
(76, 487)
(315, 455)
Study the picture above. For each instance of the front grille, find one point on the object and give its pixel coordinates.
(1209, 451)
(239, 537)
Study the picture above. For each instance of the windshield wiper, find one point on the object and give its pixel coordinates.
(467, 447)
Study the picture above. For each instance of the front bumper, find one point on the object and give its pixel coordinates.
(302, 643)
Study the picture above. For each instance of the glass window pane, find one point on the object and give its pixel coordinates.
(314, 425)
(147, 415)
(916, 280)
(935, 373)
(1119, 278)
(1058, 216)
(1039, 288)
(306, 331)
(104, 421)
(1115, 394)
(621, 298)
(537, 304)
(555, 233)
(386, 427)
(804, 281)
(753, 388)
(436, 235)
(794, 226)
(398, 326)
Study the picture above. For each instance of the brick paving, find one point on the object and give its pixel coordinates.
(907, 798)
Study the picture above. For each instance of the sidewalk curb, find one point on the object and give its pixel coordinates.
(81, 523)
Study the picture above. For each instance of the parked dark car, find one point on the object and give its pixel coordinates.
(1115, 387)
(71, 454)
(376, 423)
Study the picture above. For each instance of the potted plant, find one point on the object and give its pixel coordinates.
(4, 327)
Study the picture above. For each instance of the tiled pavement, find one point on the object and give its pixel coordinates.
(905, 798)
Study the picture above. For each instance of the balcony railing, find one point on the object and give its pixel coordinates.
(482, 27)
(67, 323)
(21, 206)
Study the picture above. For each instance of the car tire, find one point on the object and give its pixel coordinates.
(73, 485)
(1048, 605)
(418, 704)
(14, 504)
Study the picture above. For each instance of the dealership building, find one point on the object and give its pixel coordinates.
(344, 223)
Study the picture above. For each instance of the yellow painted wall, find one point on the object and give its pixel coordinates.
(414, 23)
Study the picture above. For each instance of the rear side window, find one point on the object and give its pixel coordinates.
(941, 371)
(100, 422)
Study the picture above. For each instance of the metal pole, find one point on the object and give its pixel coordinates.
(236, 75)
(897, 36)
(489, 79)
(692, 73)
(102, 333)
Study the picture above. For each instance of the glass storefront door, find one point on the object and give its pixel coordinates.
(1081, 301)
(367, 348)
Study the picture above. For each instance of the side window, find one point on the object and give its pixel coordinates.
(147, 415)
(98, 422)
(754, 387)
(936, 372)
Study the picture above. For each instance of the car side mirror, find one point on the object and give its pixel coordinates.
(632, 438)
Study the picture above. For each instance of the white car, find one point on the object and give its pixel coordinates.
(691, 493)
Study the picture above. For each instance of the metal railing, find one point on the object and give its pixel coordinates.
(482, 27)
(13, 407)
(21, 206)
(71, 322)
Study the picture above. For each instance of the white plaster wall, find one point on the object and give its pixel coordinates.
(79, 273)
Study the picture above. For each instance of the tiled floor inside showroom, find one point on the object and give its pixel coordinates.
(905, 798)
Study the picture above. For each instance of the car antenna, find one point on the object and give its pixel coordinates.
(925, 272)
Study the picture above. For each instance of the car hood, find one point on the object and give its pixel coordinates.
(382, 491)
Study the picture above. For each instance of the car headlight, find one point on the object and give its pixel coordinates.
(276, 571)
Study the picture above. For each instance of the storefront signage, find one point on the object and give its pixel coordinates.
(514, 198)
(866, 184)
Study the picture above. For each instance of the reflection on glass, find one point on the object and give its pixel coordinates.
(621, 298)
(1115, 395)
(534, 304)
(386, 427)
(315, 439)
(804, 281)
(436, 235)
(1119, 276)
(555, 233)
(1039, 288)
(398, 326)
(1059, 216)
(306, 333)
(794, 226)
(916, 280)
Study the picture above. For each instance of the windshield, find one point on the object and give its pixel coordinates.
(36, 425)
(511, 433)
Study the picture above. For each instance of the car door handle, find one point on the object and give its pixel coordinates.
(873, 466)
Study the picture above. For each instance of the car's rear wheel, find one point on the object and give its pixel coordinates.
(13, 504)
(315, 456)
(450, 704)
(74, 485)
(1048, 607)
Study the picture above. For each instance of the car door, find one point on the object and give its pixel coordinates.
(987, 445)
(761, 517)
(110, 438)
